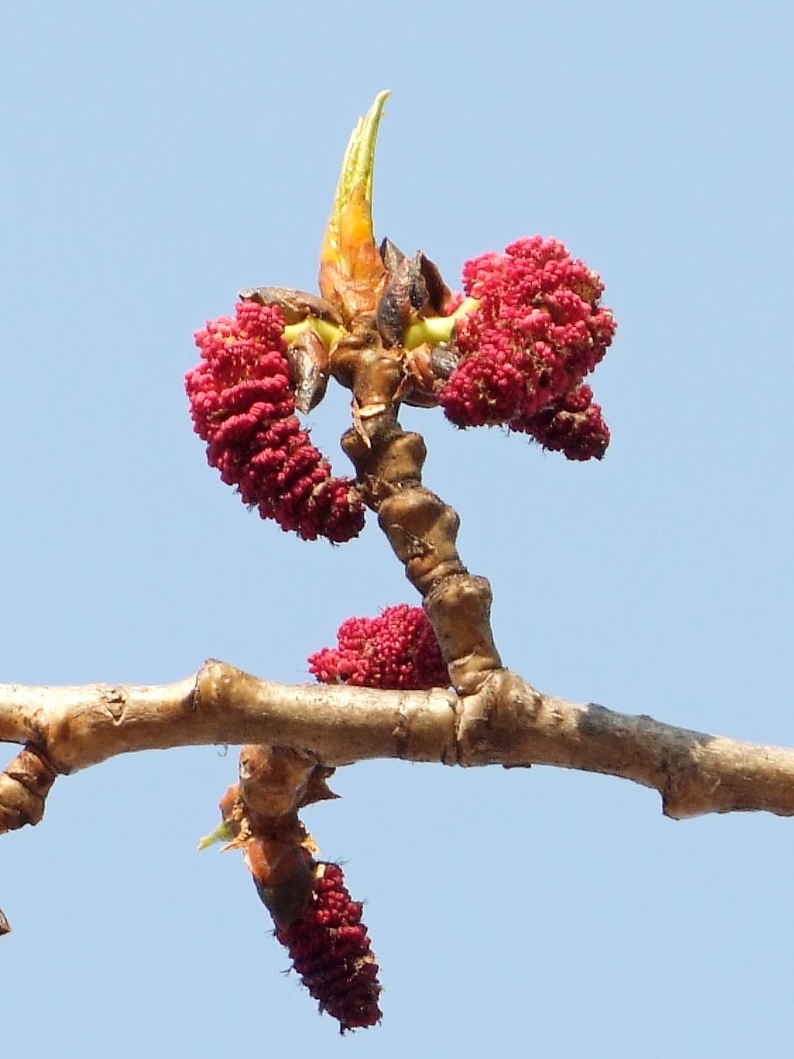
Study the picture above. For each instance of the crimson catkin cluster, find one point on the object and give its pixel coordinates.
(538, 331)
(330, 950)
(397, 650)
(243, 406)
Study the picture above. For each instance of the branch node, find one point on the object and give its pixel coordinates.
(24, 787)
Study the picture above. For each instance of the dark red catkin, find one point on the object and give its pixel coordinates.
(330, 950)
(243, 406)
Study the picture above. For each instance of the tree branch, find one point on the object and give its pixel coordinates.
(506, 722)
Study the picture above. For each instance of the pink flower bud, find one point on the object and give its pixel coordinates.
(396, 650)
(330, 950)
(242, 405)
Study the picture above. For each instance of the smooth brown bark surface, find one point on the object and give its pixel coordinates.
(506, 722)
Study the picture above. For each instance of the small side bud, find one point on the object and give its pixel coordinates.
(224, 832)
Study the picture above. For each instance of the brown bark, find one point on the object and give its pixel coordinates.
(506, 722)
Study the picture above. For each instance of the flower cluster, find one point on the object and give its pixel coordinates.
(396, 650)
(537, 331)
(242, 405)
(330, 950)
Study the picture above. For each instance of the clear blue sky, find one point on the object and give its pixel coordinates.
(155, 158)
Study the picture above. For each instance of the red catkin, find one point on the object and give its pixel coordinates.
(330, 950)
(396, 650)
(538, 331)
(242, 405)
